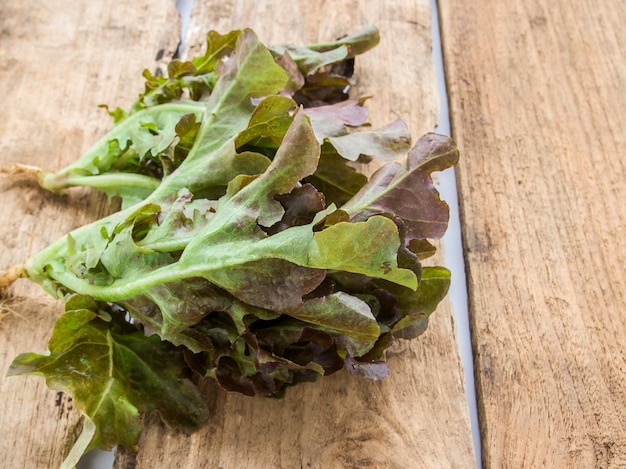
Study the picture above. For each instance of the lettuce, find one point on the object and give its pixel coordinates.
(248, 248)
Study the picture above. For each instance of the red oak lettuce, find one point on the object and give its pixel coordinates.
(248, 247)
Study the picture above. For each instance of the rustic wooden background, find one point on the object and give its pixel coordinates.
(537, 98)
(536, 90)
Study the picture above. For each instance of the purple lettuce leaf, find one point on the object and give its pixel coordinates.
(386, 144)
(406, 190)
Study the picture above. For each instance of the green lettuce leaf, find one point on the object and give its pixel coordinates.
(315, 56)
(335, 178)
(115, 373)
(417, 306)
(218, 46)
(126, 161)
(269, 121)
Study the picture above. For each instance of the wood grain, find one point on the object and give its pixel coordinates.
(537, 101)
(57, 63)
(416, 418)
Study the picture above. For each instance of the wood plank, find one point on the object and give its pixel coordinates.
(537, 101)
(57, 63)
(418, 416)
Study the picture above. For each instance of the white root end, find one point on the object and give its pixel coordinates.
(9, 276)
(22, 170)
(6, 280)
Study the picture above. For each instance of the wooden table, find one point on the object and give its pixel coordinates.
(536, 94)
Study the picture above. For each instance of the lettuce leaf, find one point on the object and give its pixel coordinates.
(249, 248)
(115, 373)
(406, 189)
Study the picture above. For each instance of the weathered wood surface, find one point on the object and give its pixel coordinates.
(537, 98)
(56, 64)
(417, 418)
(58, 61)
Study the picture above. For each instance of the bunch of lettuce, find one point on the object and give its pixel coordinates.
(248, 248)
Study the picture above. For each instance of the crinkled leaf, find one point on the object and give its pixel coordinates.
(209, 177)
(240, 211)
(271, 119)
(301, 343)
(358, 42)
(342, 313)
(217, 47)
(300, 205)
(197, 76)
(296, 79)
(334, 120)
(177, 68)
(176, 223)
(213, 161)
(158, 89)
(312, 57)
(377, 369)
(269, 283)
(170, 309)
(335, 178)
(386, 144)
(323, 88)
(114, 372)
(238, 215)
(124, 258)
(187, 131)
(422, 248)
(350, 247)
(417, 305)
(309, 60)
(249, 73)
(123, 162)
(407, 190)
(225, 248)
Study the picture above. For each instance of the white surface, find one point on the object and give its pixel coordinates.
(97, 459)
(453, 249)
(184, 9)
